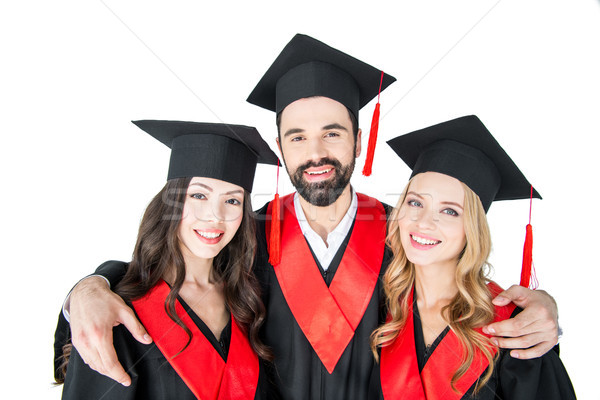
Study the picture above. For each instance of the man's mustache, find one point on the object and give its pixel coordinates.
(323, 161)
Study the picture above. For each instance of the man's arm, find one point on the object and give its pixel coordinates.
(534, 331)
(94, 311)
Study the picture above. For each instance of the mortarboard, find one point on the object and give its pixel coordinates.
(220, 151)
(464, 149)
(307, 67)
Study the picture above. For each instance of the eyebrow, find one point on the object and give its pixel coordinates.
(292, 131)
(334, 125)
(450, 203)
(238, 191)
(203, 185)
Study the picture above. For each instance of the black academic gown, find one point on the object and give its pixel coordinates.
(543, 378)
(299, 373)
(152, 377)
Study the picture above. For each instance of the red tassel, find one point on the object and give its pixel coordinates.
(372, 142)
(527, 257)
(275, 239)
(526, 268)
(373, 135)
(533, 283)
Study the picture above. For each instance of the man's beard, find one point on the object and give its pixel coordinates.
(324, 193)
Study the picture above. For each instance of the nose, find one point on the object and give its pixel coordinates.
(210, 211)
(218, 213)
(316, 149)
(424, 218)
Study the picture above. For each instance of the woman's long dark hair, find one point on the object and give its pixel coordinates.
(157, 253)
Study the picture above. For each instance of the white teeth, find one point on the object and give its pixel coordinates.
(319, 172)
(209, 235)
(421, 240)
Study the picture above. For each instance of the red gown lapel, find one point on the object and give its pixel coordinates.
(399, 369)
(328, 316)
(199, 365)
(241, 371)
(399, 363)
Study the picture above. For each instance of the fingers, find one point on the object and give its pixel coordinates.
(110, 365)
(530, 321)
(128, 319)
(523, 342)
(94, 312)
(89, 355)
(103, 359)
(533, 352)
(539, 315)
(517, 294)
(526, 298)
(532, 332)
(522, 324)
(531, 345)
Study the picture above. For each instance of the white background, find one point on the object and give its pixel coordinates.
(77, 175)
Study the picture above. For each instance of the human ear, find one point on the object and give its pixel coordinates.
(358, 143)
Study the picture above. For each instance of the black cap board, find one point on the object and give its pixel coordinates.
(464, 149)
(220, 151)
(307, 67)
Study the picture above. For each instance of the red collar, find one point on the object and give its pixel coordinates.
(328, 316)
(400, 378)
(199, 365)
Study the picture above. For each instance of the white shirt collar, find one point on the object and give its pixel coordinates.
(325, 252)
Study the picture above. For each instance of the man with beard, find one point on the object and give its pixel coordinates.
(319, 326)
(322, 288)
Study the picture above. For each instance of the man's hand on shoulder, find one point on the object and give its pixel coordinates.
(94, 311)
(534, 331)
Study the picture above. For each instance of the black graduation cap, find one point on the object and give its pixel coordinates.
(307, 67)
(221, 151)
(464, 149)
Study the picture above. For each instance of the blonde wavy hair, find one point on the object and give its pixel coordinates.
(471, 307)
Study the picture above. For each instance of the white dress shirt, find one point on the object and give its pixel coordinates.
(325, 251)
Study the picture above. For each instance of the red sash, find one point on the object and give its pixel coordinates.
(199, 365)
(328, 316)
(400, 378)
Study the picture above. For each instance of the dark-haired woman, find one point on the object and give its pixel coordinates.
(190, 280)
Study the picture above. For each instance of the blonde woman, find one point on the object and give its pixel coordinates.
(437, 292)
